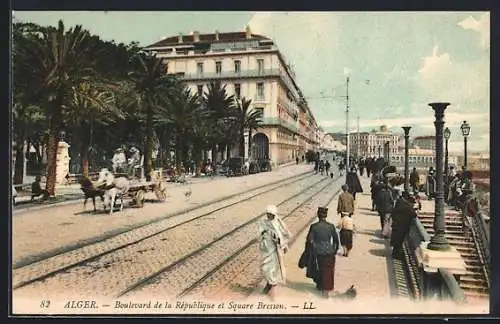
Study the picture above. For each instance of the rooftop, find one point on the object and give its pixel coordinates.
(216, 37)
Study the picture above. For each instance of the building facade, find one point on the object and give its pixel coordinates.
(373, 143)
(250, 66)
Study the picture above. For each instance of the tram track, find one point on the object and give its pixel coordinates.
(241, 269)
(61, 263)
(184, 275)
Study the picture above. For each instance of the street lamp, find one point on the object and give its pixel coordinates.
(438, 241)
(406, 129)
(465, 132)
(446, 134)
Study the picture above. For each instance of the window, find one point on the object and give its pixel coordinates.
(218, 67)
(237, 90)
(237, 66)
(260, 90)
(200, 90)
(199, 67)
(260, 66)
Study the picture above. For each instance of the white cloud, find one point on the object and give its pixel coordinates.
(462, 84)
(481, 26)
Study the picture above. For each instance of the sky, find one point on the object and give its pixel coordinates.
(397, 62)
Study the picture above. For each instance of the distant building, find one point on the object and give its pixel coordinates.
(372, 143)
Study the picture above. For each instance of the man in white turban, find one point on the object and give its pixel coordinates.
(273, 239)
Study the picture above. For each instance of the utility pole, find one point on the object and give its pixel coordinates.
(347, 124)
(357, 142)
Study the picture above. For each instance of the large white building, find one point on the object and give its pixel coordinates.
(250, 66)
(372, 143)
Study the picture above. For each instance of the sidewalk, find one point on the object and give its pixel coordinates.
(366, 267)
(369, 267)
(69, 193)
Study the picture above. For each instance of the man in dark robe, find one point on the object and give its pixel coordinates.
(353, 183)
(414, 180)
(384, 202)
(322, 244)
(402, 216)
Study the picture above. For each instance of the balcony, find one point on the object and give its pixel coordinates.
(276, 121)
(231, 75)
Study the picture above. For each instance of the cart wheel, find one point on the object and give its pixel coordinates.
(139, 198)
(161, 194)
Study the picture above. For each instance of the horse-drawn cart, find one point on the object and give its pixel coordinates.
(138, 188)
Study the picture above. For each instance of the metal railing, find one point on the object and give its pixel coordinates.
(423, 284)
(278, 121)
(232, 74)
(481, 233)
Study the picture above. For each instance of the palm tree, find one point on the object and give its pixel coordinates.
(247, 119)
(89, 103)
(181, 116)
(152, 86)
(219, 104)
(53, 60)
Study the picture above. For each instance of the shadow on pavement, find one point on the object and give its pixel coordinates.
(379, 252)
(303, 287)
(377, 240)
(368, 232)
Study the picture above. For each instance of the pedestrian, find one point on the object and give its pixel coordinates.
(273, 238)
(414, 180)
(431, 184)
(345, 203)
(36, 189)
(362, 166)
(296, 160)
(324, 241)
(327, 167)
(384, 203)
(402, 216)
(353, 183)
(346, 230)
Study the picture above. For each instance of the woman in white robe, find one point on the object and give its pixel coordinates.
(273, 238)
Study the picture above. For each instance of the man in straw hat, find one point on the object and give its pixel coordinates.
(324, 240)
(273, 237)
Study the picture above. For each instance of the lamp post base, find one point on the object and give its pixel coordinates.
(439, 243)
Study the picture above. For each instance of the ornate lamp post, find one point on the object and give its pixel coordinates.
(465, 132)
(438, 241)
(446, 134)
(407, 168)
(388, 145)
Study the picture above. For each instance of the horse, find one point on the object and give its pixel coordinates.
(114, 188)
(90, 191)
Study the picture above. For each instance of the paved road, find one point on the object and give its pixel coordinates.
(46, 230)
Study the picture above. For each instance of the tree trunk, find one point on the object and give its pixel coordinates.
(19, 166)
(20, 157)
(84, 150)
(242, 142)
(249, 143)
(214, 153)
(53, 143)
(228, 152)
(148, 154)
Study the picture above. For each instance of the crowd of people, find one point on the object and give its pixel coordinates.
(395, 207)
